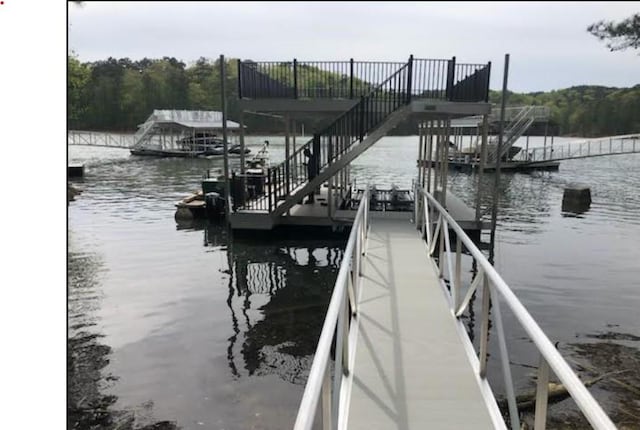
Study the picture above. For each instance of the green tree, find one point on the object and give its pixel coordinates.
(620, 36)
(203, 85)
(132, 98)
(77, 78)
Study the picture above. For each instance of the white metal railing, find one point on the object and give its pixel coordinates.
(540, 113)
(624, 144)
(143, 130)
(341, 313)
(96, 138)
(434, 222)
(519, 123)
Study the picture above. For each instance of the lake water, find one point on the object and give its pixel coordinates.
(181, 326)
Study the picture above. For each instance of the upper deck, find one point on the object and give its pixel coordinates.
(330, 87)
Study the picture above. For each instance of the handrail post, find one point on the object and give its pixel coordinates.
(295, 78)
(351, 79)
(443, 226)
(486, 95)
(271, 175)
(506, 364)
(326, 399)
(341, 339)
(361, 118)
(456, 288)
(451, 66)
(484, 325)
(409, 78)
(542, 395)
(416, 207)
(239, 78)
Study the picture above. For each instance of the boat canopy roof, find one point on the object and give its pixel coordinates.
(192, 119)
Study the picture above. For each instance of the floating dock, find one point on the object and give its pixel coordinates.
(407, 374)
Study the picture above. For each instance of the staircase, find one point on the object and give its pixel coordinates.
(143, 132)
(518, 124)
(341, 142)
(380, 108)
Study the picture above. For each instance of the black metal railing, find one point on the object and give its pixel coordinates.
(267, 79)
(425, 78)
(312, 79)
(331, 143)
(471, 83)
(432, 78)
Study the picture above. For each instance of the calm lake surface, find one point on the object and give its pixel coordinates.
(181, 326)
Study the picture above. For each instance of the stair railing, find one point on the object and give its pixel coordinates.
(335, 140)
(518, 125)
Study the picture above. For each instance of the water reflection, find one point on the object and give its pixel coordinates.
(524, 201)
(278, 293)
(89, 405)
(201, 329)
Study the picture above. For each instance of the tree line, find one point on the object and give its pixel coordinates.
(119, 94)
(585, 111)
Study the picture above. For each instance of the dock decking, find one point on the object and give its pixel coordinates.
(411, 369)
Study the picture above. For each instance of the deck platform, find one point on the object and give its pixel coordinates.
(317, 215)
(411, 369)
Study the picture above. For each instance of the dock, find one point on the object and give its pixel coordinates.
(394, 352)
(407, 375)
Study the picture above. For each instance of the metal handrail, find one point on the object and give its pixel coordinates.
(494, 286)
(432, 78)
(98, 138)
(341, 312)
(516, 127)
(612, 145)
(339, 137)
(469, 82)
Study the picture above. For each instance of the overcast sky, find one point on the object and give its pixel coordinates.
(548, 42)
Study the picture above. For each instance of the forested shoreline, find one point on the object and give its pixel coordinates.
(119, 94)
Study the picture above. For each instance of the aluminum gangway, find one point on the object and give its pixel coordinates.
(100, 139)
(402, 356)
(585, 148)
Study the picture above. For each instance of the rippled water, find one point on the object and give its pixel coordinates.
(180, 326)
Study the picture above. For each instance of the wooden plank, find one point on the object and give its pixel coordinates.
(411, 369)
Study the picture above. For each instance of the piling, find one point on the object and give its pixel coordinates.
(75, 170)
(576, 198)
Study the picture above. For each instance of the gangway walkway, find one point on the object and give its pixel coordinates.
(100, 139)
(587, 148)
(402, 357)
(411, 367)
